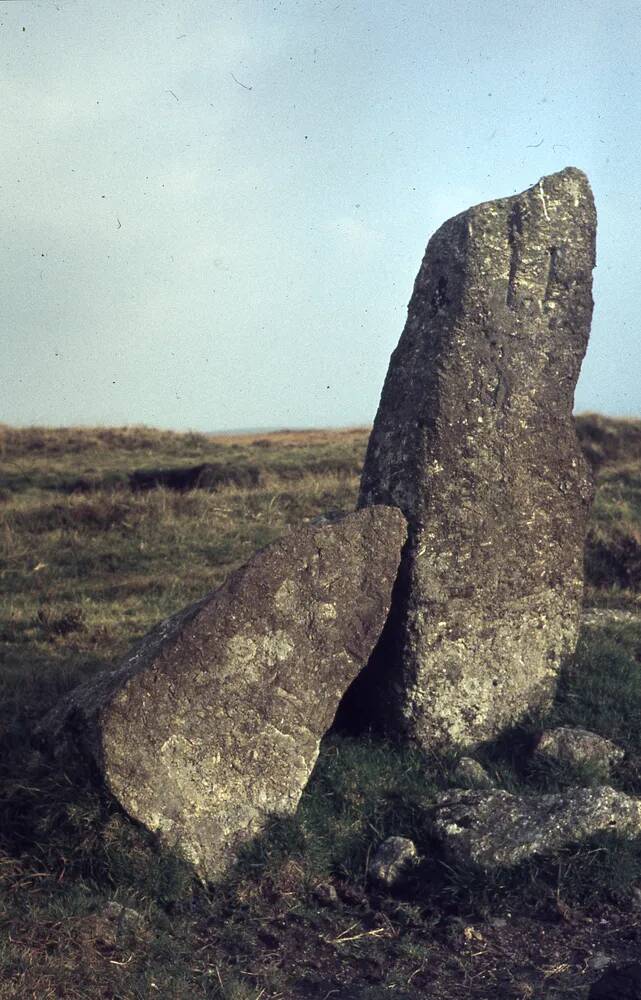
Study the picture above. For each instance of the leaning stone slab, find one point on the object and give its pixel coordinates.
(214, 721)
(474, 440)
(566, 745)
(497, 829)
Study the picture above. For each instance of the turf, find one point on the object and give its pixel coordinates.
(88, 564)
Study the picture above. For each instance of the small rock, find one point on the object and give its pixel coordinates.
(117, 925)
(470, 774)
(623, 983)
(326, 894)
(636, 898)
(497, 829)
(599, 961)
(333, 516)
(566, 745)
(390, 860)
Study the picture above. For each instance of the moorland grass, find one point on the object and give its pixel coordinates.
(84, 574)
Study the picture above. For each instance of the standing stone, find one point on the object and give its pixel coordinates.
(474, 441)
(214, 721)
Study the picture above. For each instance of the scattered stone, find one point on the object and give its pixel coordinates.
(636, 898)
(326, 894)
(474, 440)
(213, 722)
(391, 860)
(119, 925)
(566, 745)
(470, 774)
(497, 829)
(329, 516)
(599, 961)
(623, 983)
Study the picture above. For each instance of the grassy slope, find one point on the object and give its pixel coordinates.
(86, 572)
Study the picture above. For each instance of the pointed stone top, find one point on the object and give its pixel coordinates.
(569, 183)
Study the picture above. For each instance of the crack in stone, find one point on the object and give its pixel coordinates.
(514, 231)
(551, 276)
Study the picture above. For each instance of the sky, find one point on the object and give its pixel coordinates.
(213, 212)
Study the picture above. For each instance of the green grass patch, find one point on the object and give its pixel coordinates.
(85, 574)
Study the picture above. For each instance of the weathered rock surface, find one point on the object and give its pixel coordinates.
(497, 829)
(470, 774)
(119, 925)
(326, 894)
(391, 860)
(474, 441)
(214, 721)
(566, 745)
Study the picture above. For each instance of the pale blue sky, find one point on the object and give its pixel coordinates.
(213, 212)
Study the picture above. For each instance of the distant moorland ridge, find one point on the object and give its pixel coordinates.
(604, 439)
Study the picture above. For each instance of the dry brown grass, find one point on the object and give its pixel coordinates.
(83, 574)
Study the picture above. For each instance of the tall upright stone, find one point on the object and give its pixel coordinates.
(474, 440)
